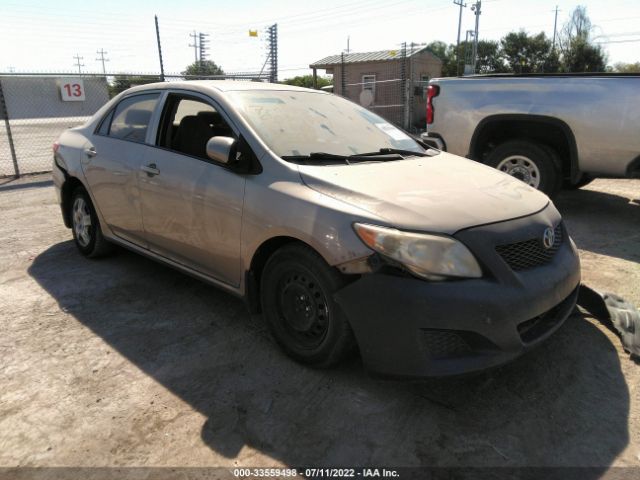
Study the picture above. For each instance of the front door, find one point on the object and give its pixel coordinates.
(192, 206)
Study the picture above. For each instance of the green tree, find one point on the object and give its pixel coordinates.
(526, 53)
(446, 53)
(578, 52)
(121, 83)
(627, 67)
(490, 58)
(204, 67)
(307, 81)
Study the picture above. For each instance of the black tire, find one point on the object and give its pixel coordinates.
(540, 158)
(91, 242)
(296, 295)
(584, 180)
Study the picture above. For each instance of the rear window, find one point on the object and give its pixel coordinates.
(132, 116)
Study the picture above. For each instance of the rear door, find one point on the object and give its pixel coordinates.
(111, 162)
(191, 205)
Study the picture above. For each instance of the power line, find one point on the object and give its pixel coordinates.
(195, 45)
(621, 41)
(555, 27)
(102, 53)
(273, 52)
(159, 49)
(461, 4)
(203, 45)
(477, 10)
(78, 64)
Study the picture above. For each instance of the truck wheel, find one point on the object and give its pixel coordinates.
(86, 226)
(536, 165)
(296, 293)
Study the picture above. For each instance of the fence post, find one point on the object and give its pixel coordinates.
(343, 77)
(4, 112)
(404, 94)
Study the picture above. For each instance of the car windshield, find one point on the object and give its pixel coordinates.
(298, 123)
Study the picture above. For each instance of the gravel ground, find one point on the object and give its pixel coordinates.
(124, 362)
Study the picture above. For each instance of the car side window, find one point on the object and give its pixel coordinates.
(132, 116)
(105, 124)
(188, 123)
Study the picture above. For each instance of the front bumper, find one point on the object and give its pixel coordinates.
(405, 326)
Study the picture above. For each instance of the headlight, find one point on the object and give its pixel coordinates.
(432, 257)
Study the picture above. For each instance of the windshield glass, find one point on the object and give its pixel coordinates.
(296, 123)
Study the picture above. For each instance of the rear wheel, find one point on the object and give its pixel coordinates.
(296, 294)
(536, 165)
(86, 227)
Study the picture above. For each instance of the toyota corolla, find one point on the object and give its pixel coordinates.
(339, 227)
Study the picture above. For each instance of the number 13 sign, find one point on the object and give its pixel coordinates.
(72, 89)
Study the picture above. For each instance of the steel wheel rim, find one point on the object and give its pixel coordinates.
(302, 309)
(522, 168)
(82, 221)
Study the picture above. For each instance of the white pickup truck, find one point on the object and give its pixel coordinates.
(550, 131)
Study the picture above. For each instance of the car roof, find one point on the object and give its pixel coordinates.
(221, 85)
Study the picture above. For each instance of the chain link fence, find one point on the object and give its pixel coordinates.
(36, 108)
(391, 83)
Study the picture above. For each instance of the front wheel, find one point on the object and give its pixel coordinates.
(536, 165)
(296, 293)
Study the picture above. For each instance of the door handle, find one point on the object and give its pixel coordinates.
(91, 152)
(150, 169)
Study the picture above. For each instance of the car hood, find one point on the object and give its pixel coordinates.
(444, 193)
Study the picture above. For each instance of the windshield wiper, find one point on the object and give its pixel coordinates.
(384, 154)
(397, 151)
(331, 157)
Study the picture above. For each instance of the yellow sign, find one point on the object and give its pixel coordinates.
(253, 33)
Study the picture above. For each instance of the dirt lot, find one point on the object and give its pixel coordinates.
(123, 362)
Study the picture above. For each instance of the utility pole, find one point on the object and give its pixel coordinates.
(203, 46)
(467, 53)
(273, 52)
(555, 26)
(348, 38)
(102, 53)
(78, 64)
(159, 50)
(461, 4)
(195, 45)
(477, 10)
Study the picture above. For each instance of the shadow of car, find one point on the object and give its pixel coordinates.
(564, 404)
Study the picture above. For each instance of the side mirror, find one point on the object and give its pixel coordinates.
(220, 149)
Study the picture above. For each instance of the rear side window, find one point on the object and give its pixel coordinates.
(132, 116)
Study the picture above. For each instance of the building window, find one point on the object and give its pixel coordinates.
(369, 83)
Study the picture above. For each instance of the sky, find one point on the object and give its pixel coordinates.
(44, 36)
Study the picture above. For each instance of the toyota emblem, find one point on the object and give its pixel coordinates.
(548, 238)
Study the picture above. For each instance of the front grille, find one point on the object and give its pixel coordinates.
(530, 253)
(444, 344)
(454, 343)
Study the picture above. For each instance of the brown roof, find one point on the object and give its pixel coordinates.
(365, 57)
